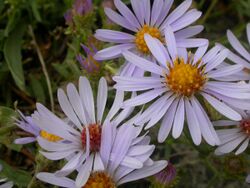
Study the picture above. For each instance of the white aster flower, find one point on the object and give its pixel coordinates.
(3, 182)
(176, 82)
(152, 20)
(82, 140)
(124, 156)
(236, 136)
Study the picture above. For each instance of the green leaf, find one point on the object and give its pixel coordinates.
(13, 57)
(33, 4)
(20, 177)
(37, 89)
(7, 116)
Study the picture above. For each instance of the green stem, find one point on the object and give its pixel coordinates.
(41, 163)
(43, 67)
(210, 8)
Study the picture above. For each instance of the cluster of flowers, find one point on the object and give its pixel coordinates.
(160, 69)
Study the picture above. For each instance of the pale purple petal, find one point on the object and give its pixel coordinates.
(25, 140)
(113, 51)
(222, 108)
(187, 19)
(179, 119)
(237, 46)
(143, 63)
(128, 15)
(114, 36)
(101, 98)
(164, 12)
(86, 94)
(171, 43)
(193, 123)
(144, 172)
(177, 13)
(156, 10)
(157, 50)
(189, 32)
(54, 180)
(191, 43)
(167, 122)
(118, 19)
(145, 97)
(84, 172)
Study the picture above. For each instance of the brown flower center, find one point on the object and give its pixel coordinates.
(95, 132)
(99, 180)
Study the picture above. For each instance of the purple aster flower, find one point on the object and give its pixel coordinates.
(3, 182)
(243, 57)
(236, 136)
(175, 83)
(80, 7)
(151, 20)
(89, 63)
(27, 124)
(124, 157)
(87, 141)
(167, 175)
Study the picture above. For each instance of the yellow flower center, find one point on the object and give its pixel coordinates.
(184, 78)
(49, 137)
(99, 180)
(139, 37)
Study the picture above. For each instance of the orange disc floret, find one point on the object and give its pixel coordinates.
(49, 137)
(184, 78)
(139, 37)
(99, 180)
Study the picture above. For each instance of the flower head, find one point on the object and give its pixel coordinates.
(177, 79)
(151, 20)
(27, 124)
(80, 7)
(236, 136)
(3, 182)
(89, 63)
(88, 142)
(124, 157)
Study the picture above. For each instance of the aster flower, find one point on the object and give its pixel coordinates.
(236, 136)
(243, 56)
(80, 7)
(82, 140)
(125, 157)
(3, 182)
(151, 20)
(175, 83)
(27, 124)
(89, 63)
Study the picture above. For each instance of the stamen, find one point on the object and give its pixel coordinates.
(49, 137)
(99, 180)
(245, 126)
(139, 37)
(184, 78)
(95, 132)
